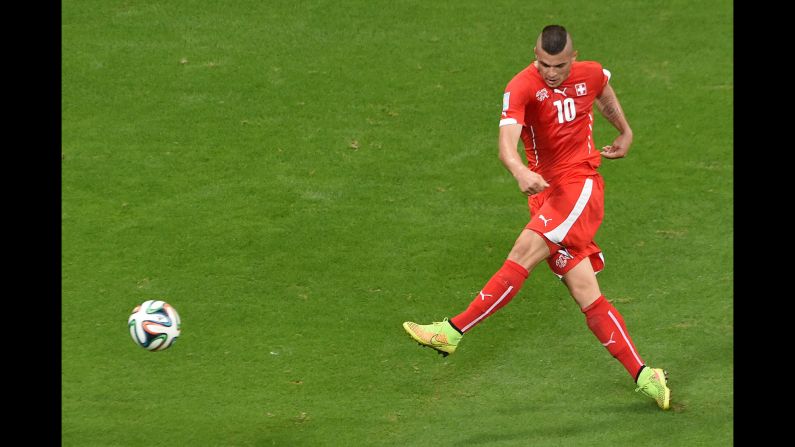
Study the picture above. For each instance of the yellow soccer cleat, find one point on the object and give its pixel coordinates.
(653, 383)
(440, 335)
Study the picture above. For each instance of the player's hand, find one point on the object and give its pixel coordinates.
(619, 148)
(531, 183)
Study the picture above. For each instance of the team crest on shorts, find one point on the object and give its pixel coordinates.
(563, 258)
(542, 94)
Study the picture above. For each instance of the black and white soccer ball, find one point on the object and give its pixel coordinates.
(154, 325)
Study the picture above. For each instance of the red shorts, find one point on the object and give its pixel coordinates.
(567, 216)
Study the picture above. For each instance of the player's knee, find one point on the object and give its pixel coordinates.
(529, 249)
(584, 290)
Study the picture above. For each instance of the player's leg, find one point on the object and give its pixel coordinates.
(602, 318)
(582, 284)
(607, 324)
(577, 265)
(528, 250)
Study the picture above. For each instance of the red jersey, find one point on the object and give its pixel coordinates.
(557, 123)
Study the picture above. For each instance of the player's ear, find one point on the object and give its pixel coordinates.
(574, 55)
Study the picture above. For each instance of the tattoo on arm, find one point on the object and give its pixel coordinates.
(611, 110)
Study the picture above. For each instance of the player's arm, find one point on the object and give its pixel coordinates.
(529, 182)
(610, 108)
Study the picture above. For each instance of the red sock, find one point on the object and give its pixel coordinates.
(608, 325)
(500, 290)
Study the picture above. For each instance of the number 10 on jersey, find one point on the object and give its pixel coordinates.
(565, 110)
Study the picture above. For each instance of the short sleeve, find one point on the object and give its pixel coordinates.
(607, 74)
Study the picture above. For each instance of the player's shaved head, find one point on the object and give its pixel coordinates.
(554, 39)
(555, 54)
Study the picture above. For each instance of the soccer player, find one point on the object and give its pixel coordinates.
(549, 105)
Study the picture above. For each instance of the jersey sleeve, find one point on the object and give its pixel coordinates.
(514, 102)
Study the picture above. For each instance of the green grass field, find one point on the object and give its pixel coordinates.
(299, 178)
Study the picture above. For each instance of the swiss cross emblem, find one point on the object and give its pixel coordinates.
(581, 89)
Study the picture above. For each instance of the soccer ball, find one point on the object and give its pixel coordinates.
(154, 325)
